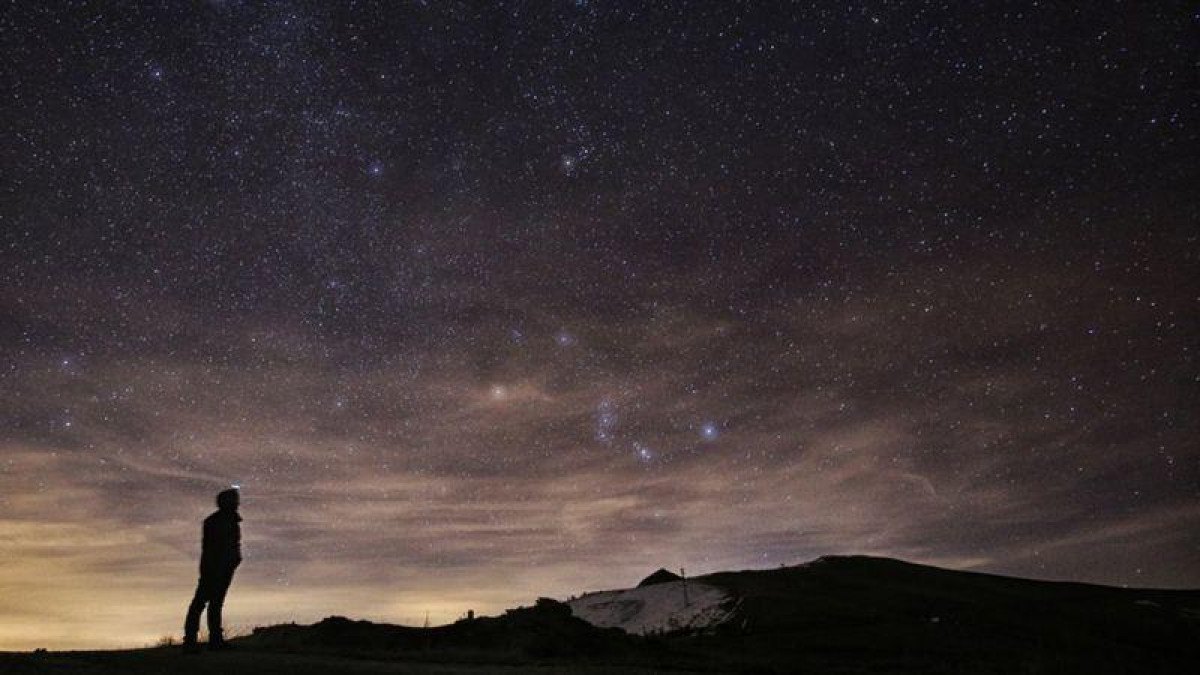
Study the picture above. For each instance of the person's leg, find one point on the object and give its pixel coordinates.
(191, 624)
(216, 603)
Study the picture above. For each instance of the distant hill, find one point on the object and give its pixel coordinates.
(659, 576)
(842, 614)
(659, 608)
(546, 630)
(835, 614)
(839, 613)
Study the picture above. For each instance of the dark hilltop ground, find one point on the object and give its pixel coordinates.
(836, 615)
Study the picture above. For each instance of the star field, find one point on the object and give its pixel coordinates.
(479, 302)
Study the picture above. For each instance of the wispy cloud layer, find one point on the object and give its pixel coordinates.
(481, 472)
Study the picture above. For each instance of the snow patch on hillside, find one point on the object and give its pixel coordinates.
(657, 608)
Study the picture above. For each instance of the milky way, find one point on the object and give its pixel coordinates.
(481, 302)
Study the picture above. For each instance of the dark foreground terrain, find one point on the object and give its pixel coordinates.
(835, 615)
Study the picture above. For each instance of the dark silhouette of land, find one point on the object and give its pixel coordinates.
(659, 576)
(851, 614)
(220, 555)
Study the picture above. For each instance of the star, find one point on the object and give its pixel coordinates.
(515, 280)
(606, 421)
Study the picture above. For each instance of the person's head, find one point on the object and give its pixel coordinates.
(227, 500)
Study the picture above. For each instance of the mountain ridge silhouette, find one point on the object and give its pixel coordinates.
(838, 614)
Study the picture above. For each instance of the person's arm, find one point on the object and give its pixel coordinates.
(208, 545)
(237, 542)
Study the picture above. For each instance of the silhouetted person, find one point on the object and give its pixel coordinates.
(220, 554)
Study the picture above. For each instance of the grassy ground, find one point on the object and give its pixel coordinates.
(170, 660)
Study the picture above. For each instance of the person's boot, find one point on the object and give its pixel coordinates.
(216, 641)
(190, 646)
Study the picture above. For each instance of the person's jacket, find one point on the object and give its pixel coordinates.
(221, 545)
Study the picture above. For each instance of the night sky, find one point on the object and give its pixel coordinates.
(479, 302)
